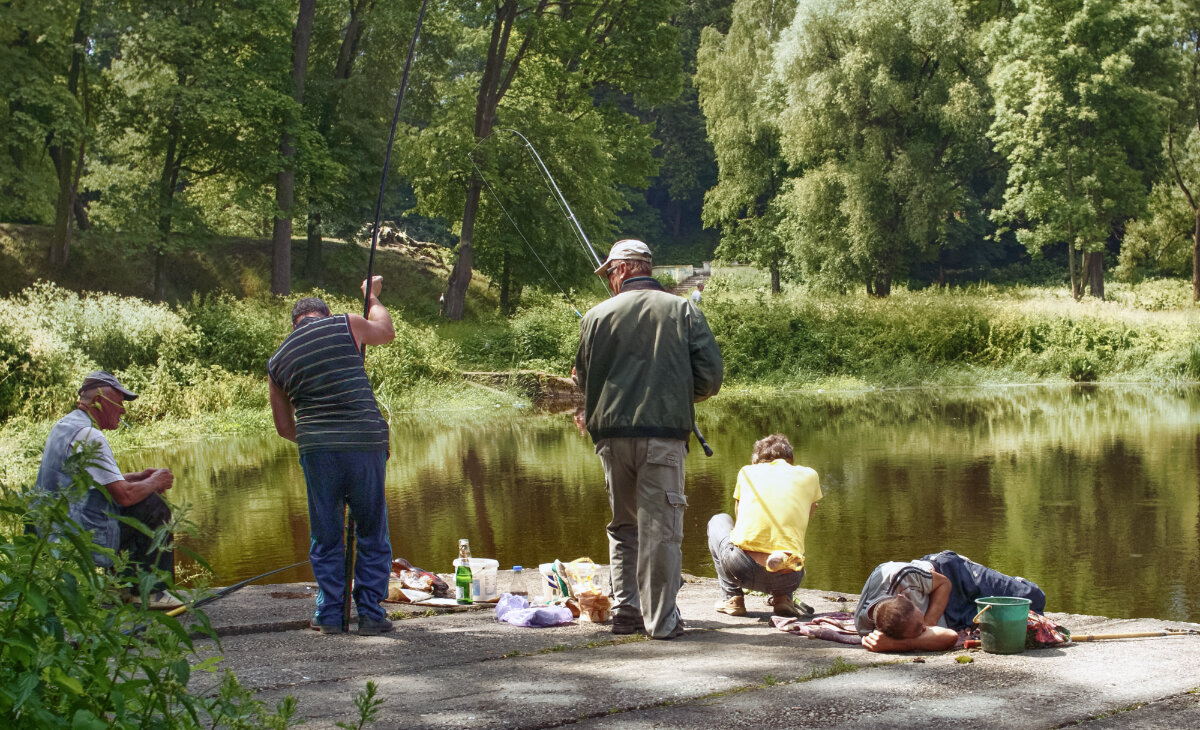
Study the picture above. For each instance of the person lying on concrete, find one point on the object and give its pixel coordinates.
(99, 408)
(941, 589)
(322, 400)
(764, 550)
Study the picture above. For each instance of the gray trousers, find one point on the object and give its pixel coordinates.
(736, 570)
(645, 490)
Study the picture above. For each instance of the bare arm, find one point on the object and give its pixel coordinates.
(282, 412)
(933, 638)
(138, 476)
(939, 596)
(125, 492)
(376, 328)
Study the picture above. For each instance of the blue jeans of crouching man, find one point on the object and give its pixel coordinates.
(335, 478)
(737, 571)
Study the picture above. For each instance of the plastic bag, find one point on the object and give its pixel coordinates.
(582, 574)
(517, 611)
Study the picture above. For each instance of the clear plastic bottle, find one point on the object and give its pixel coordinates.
(517, 584)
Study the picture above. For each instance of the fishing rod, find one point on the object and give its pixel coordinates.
(351, 531)
(233, 588)
(578, 229)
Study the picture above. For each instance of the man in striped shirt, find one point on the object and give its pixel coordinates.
(321, 399)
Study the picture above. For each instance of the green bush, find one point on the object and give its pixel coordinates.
(239, 335)
(74, 654)
(416, 354)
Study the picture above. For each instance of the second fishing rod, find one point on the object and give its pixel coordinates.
(576, 228)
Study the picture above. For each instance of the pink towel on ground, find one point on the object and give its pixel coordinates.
(837, 627)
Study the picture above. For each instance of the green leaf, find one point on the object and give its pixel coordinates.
(85, 720)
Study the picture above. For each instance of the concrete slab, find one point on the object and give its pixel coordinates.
(463, 669)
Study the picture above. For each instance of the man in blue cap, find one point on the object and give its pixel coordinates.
(114, 494)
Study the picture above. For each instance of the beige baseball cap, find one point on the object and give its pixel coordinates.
(627, 249)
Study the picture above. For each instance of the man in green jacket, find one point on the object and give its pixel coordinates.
(645, 356)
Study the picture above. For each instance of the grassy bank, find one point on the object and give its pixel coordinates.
(199, 363)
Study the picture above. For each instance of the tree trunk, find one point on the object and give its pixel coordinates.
(160, 275)
(166, 196)
(1076, 282)
(505, 285)
(492, 86)
(285, 181)
(314, 267)
(1196, 257)
(460, 275)
(60, 241)
(1094, 262)
(775, 286)
(64, 165)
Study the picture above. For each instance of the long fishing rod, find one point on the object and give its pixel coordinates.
(231, 589)
(566, 207)
(351, 531)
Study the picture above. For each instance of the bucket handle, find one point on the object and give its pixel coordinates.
(985, 610)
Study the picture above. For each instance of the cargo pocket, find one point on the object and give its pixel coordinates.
(673, 518)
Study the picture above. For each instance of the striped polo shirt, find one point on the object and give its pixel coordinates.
(321, 371)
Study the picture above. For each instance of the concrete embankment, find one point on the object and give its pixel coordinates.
(462, 669)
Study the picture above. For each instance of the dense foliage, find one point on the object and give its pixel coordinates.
(74, 653)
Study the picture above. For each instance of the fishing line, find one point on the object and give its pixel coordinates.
(564, 206)
(522, 235)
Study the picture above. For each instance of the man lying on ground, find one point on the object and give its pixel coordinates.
(100, 407)
(921, 605)
(764, 550)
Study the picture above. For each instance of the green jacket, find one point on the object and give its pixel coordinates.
(645, 356)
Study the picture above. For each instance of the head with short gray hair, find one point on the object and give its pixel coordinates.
(309, 307)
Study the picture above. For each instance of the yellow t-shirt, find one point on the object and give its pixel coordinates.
(774, 501)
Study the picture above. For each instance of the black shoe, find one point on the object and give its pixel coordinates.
(326, 628)
(628, 623)
(373, 626)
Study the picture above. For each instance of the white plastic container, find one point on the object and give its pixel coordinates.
(483, 578)
(550, 589)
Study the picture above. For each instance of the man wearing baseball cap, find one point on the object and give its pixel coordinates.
(645, 357)
(113, 494)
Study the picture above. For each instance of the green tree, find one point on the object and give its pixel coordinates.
(886, 111)
(43, 67)
(285, 179)
(688, 165)
(741, 106)
(196, 93)
(1080, 116)
(559, 69)
(1183, 136)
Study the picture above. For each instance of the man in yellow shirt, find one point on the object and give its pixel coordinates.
(764, 550)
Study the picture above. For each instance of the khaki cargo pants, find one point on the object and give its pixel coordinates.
(645, 490)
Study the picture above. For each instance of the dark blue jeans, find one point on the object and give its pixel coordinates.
(335, 478)
(970, 580)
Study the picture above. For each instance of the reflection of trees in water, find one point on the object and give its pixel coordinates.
(1091, 492)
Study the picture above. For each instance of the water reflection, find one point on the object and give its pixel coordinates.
(1093, 493)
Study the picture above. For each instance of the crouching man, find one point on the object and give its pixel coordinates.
(921, 605)
(764, 550)
(99, 408)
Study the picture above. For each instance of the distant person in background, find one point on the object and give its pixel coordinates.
(764, 550)
(922, 604)
(321, 399)
(696, 294)
(137, 495)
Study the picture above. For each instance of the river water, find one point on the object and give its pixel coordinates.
(1093, 492)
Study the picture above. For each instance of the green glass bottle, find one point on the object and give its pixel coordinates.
(462, 575)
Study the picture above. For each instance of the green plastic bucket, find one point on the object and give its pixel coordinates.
(1002, 621)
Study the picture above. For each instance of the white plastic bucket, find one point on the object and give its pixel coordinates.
(483, 578)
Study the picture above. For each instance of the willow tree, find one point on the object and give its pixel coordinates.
(556, 66)
(741, 108)
(884, 114)
(1080, 115)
